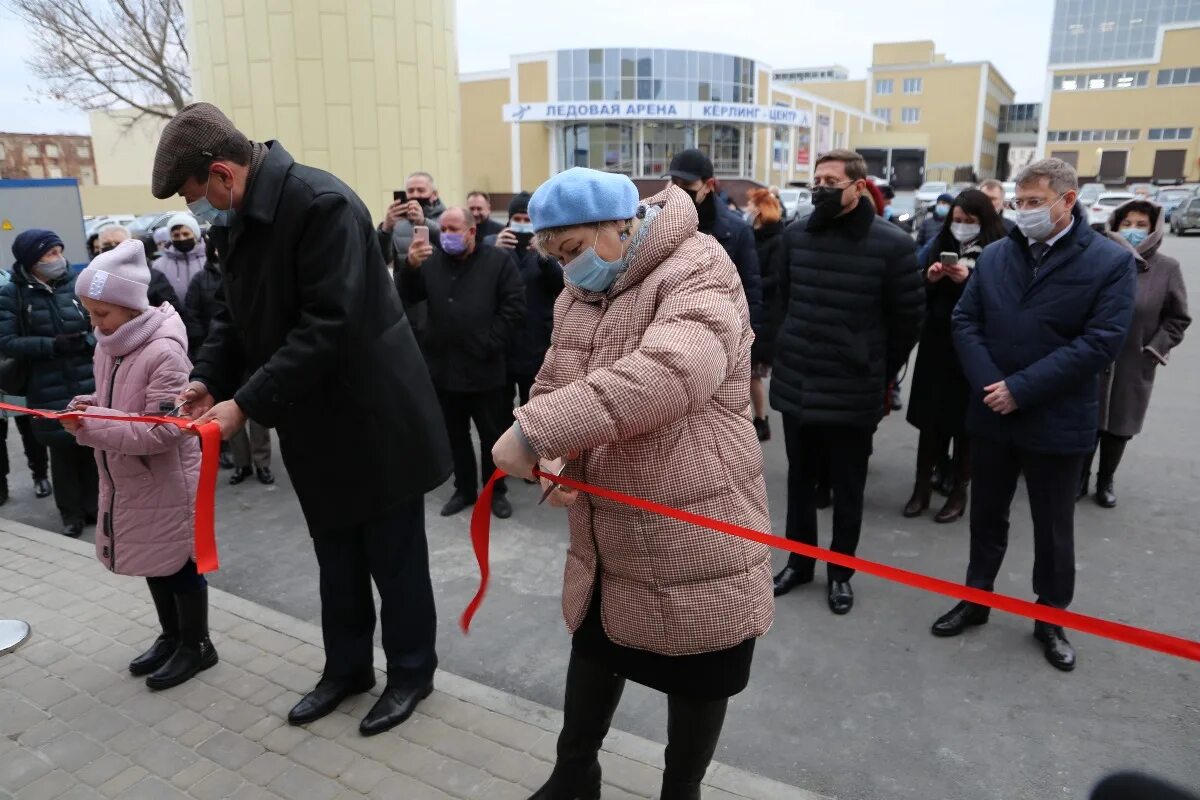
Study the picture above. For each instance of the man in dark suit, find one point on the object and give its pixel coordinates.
(308, 310)
(1045, 310)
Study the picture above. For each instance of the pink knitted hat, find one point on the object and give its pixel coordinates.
(119, 276)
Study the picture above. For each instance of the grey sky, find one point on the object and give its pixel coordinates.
(1012, 34)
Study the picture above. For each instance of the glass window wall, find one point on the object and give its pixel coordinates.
(645, 149)
(654, 74)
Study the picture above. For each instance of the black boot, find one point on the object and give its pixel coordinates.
(168, 641)
(927, 458)
(195, 652)
(693, 728)
(1111, 450)
(240, 474)
(592, 696)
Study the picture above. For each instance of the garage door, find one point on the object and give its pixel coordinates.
(1168, 165)
(1112, 166)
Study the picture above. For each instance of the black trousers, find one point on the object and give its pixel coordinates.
(845, 452)
(393, 551)
(523, 383)
(491, 411)
(35, 452)
(76, 481)
(1052, 480)
(184, 581)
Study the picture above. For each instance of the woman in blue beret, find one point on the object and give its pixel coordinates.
(646, 390)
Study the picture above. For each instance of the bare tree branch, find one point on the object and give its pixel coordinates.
(102, 54)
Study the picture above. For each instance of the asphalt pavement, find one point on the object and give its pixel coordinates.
(867, 706)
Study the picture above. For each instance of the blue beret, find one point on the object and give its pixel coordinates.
(579, 196)
(29, 246)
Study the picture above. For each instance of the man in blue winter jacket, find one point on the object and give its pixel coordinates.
(1044, 311)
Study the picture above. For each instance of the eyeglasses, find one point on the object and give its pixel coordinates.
(1032, 203)
(830, 183)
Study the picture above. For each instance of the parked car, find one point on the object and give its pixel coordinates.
(149, 223)
(1102, 208)
(1090, 191)
(959, 187)
(1147, 190)
(905, 209)
(796, 203)
(927, 195)
(1186, 217)
(1171, 197)
(108, 219)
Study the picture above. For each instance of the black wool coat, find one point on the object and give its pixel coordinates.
(855, 300)
(307, 308)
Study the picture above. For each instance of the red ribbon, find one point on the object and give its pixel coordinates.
(1116, 631)
(206, 491)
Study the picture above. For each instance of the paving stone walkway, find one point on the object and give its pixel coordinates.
(74, 724)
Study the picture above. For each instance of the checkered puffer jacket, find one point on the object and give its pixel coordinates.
(650, 384)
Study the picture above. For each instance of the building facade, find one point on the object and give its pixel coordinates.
(38, 155)
(629, 110)
(1123, 90)
(366, 90)
(942, 117)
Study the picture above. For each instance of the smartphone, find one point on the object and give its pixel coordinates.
(523, 240)
(421, 234)
(948, 259)
(400, 196)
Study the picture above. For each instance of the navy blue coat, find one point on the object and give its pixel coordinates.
(738, 240)
(27, 331)
(1047, 338)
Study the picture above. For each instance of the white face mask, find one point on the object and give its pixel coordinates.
(1037, 223)
(964, 231)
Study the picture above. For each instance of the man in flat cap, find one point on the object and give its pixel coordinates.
(308, 311)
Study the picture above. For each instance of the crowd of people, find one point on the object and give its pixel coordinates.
(632, 343)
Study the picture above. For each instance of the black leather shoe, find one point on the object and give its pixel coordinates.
(325, 698)
(789, 578)
(150, 661)
(1105, 496)
(74, 528)
(457, 503)
(395, 705)
(265, 476)
(959, 618)
(195, 652)
(1058, 650)
(841, 597)
(42, 488)
(501, 507)
(240, 474)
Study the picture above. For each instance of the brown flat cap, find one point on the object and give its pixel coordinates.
(190, 141)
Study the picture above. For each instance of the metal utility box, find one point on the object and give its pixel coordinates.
(51, 203)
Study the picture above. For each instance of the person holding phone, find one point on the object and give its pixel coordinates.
(415, 208)
(938, 403)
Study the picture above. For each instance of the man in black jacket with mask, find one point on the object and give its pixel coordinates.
(692, 171)
(854, 301)
(307, 310)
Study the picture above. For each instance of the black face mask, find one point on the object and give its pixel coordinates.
(827, 203)
(184, 245)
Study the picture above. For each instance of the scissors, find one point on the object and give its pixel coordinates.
(174, 412)
(553, 486)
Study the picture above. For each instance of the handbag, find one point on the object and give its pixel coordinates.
(14, 372)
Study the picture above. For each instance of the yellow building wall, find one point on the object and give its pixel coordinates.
(949, 103)
(848, 93)
(100, 200)
(886, 53)
(486, 138)
(534, 87)
(363, 89)
(123, 145)
(1149, 107)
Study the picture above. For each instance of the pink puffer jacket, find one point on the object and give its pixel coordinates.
(650, 383)
(148, 474)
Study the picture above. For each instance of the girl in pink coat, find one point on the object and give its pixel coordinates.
(148, 473)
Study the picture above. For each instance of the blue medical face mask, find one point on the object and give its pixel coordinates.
(204, 211)
(941, 209)
(1135, 236)
(454, 244)
(521, 227)
(592, 273)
